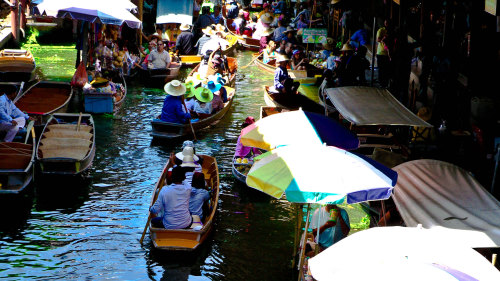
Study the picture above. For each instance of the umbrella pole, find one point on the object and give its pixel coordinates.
(297, 233)
(383, 212)
(303, 249)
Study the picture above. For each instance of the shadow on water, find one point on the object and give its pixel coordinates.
(66, 194)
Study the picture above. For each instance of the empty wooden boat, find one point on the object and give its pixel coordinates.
(188, 239)
(16, 65)
(45, 98)
(67, 144)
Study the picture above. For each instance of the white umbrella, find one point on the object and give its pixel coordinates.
(400, 253)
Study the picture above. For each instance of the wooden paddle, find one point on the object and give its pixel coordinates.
(79, 122)
(190, 124)
(159, 186)
(256, 57)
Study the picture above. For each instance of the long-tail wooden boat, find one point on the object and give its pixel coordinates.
(246, 43)
(303, 76)
(292, 101)
(167, 130)
(233, 67)
(97, 103)
(45, 98)
(188, 239)
(67, 144)
(157, 78)
(16, 164)
(16, 65)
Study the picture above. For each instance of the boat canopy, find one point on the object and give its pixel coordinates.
(174, 11)
(444, 197)
(364, 106)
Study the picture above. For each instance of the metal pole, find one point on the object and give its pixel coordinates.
(374, 34)
(303, 249)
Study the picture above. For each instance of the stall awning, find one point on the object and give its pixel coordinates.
(443, 196)
(372, 106)
(174, 11)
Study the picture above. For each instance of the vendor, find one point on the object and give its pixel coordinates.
(173, 105)
(245, 151)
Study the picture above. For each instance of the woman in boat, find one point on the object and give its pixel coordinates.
(298, 61)
(245, 151)
(173, 202)
(282, 81)
(199, 195)
(11, 118)
(173, 105)
(269, 52)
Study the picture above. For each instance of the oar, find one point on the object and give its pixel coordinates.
(79, 121)
(159, 187)
(190, 124)
(256, 57)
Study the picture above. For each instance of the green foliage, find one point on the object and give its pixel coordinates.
(31, 37)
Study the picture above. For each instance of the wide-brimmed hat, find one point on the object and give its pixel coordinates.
(346, 47)
(203, 94)
(289, 29)
(175, 88)
(156, 35)
(99, 82)
(189, 87)
(184, 27)
(212, 86)
(266, 18)
(217, 78)
(424, 113)
(187, 143)
(268, 31)
(208, 31)
(189, 152)
(281, 58)
(329, 44)
(220, 27)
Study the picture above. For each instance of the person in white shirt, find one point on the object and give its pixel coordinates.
(160, 58)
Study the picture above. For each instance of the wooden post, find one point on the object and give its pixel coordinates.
(374, 48)
(24, 6)
(140, 6)
(303, 249)
(296, 239)
(14, 20)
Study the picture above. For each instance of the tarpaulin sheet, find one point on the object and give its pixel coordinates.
(174, 11)
(372, 106)
(441, 195)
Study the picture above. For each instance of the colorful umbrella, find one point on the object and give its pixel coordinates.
(401, 253)
(298, 127)
(320, 174)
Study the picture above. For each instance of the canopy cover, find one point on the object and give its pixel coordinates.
(364, 106)
(441, 195)
(174, 11)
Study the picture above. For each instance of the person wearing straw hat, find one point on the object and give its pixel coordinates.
(204, 97)
(327, 48)
(190, 100)
(290, 35)
(173, 203)
(266, 9)
(173, 111)
(265, 38)
(282, 81)
(207, 33)
(184, 43)
(343, 74)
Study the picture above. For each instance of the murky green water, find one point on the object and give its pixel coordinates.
(90, 230)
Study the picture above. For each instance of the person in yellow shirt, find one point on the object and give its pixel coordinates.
(383, 55)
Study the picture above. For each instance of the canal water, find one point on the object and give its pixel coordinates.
(90, 229)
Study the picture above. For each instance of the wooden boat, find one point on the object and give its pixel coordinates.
(16, 65)
(246, 42)
(16, 164)
(270, 110)
(303, 76)
(291, 102)
(233, 67)
(67, 144)
(167, 130)
(188, 239)
(45, 98)
(159, 77)
(97, 103)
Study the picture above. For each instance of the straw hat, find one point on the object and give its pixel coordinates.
(289, 29)
(189, 87)
(346, 47)
(214, 87)
(187, 143)
(175, 88)
(187, 151)
(424, 113)
(156, 35)
(184, 27)
(266, 18)
(282, 58)
(99, 82)
(268, 31)
(203, 94)
(208, 31)
(329, 44)
(220, 27)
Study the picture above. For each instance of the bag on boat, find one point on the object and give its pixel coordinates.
(80, 77)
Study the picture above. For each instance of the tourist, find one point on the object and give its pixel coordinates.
(299, 62)
(173, 110)
(159, 58)
(383, 55)
(184, 43)
(270, 52)
(204, 20)
(173, 203)
(11, 118)
(199, 195)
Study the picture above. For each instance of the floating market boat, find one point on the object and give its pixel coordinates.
(270, 110)
(291, 102)
(157, 78)
(303, 76)
(67, 144)
(43, 99)
(233, 67)
(16, 163)
(105, 99)
(188, 239)
(167, 130)
(246, 43)
(229, 51)
(16, 65)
